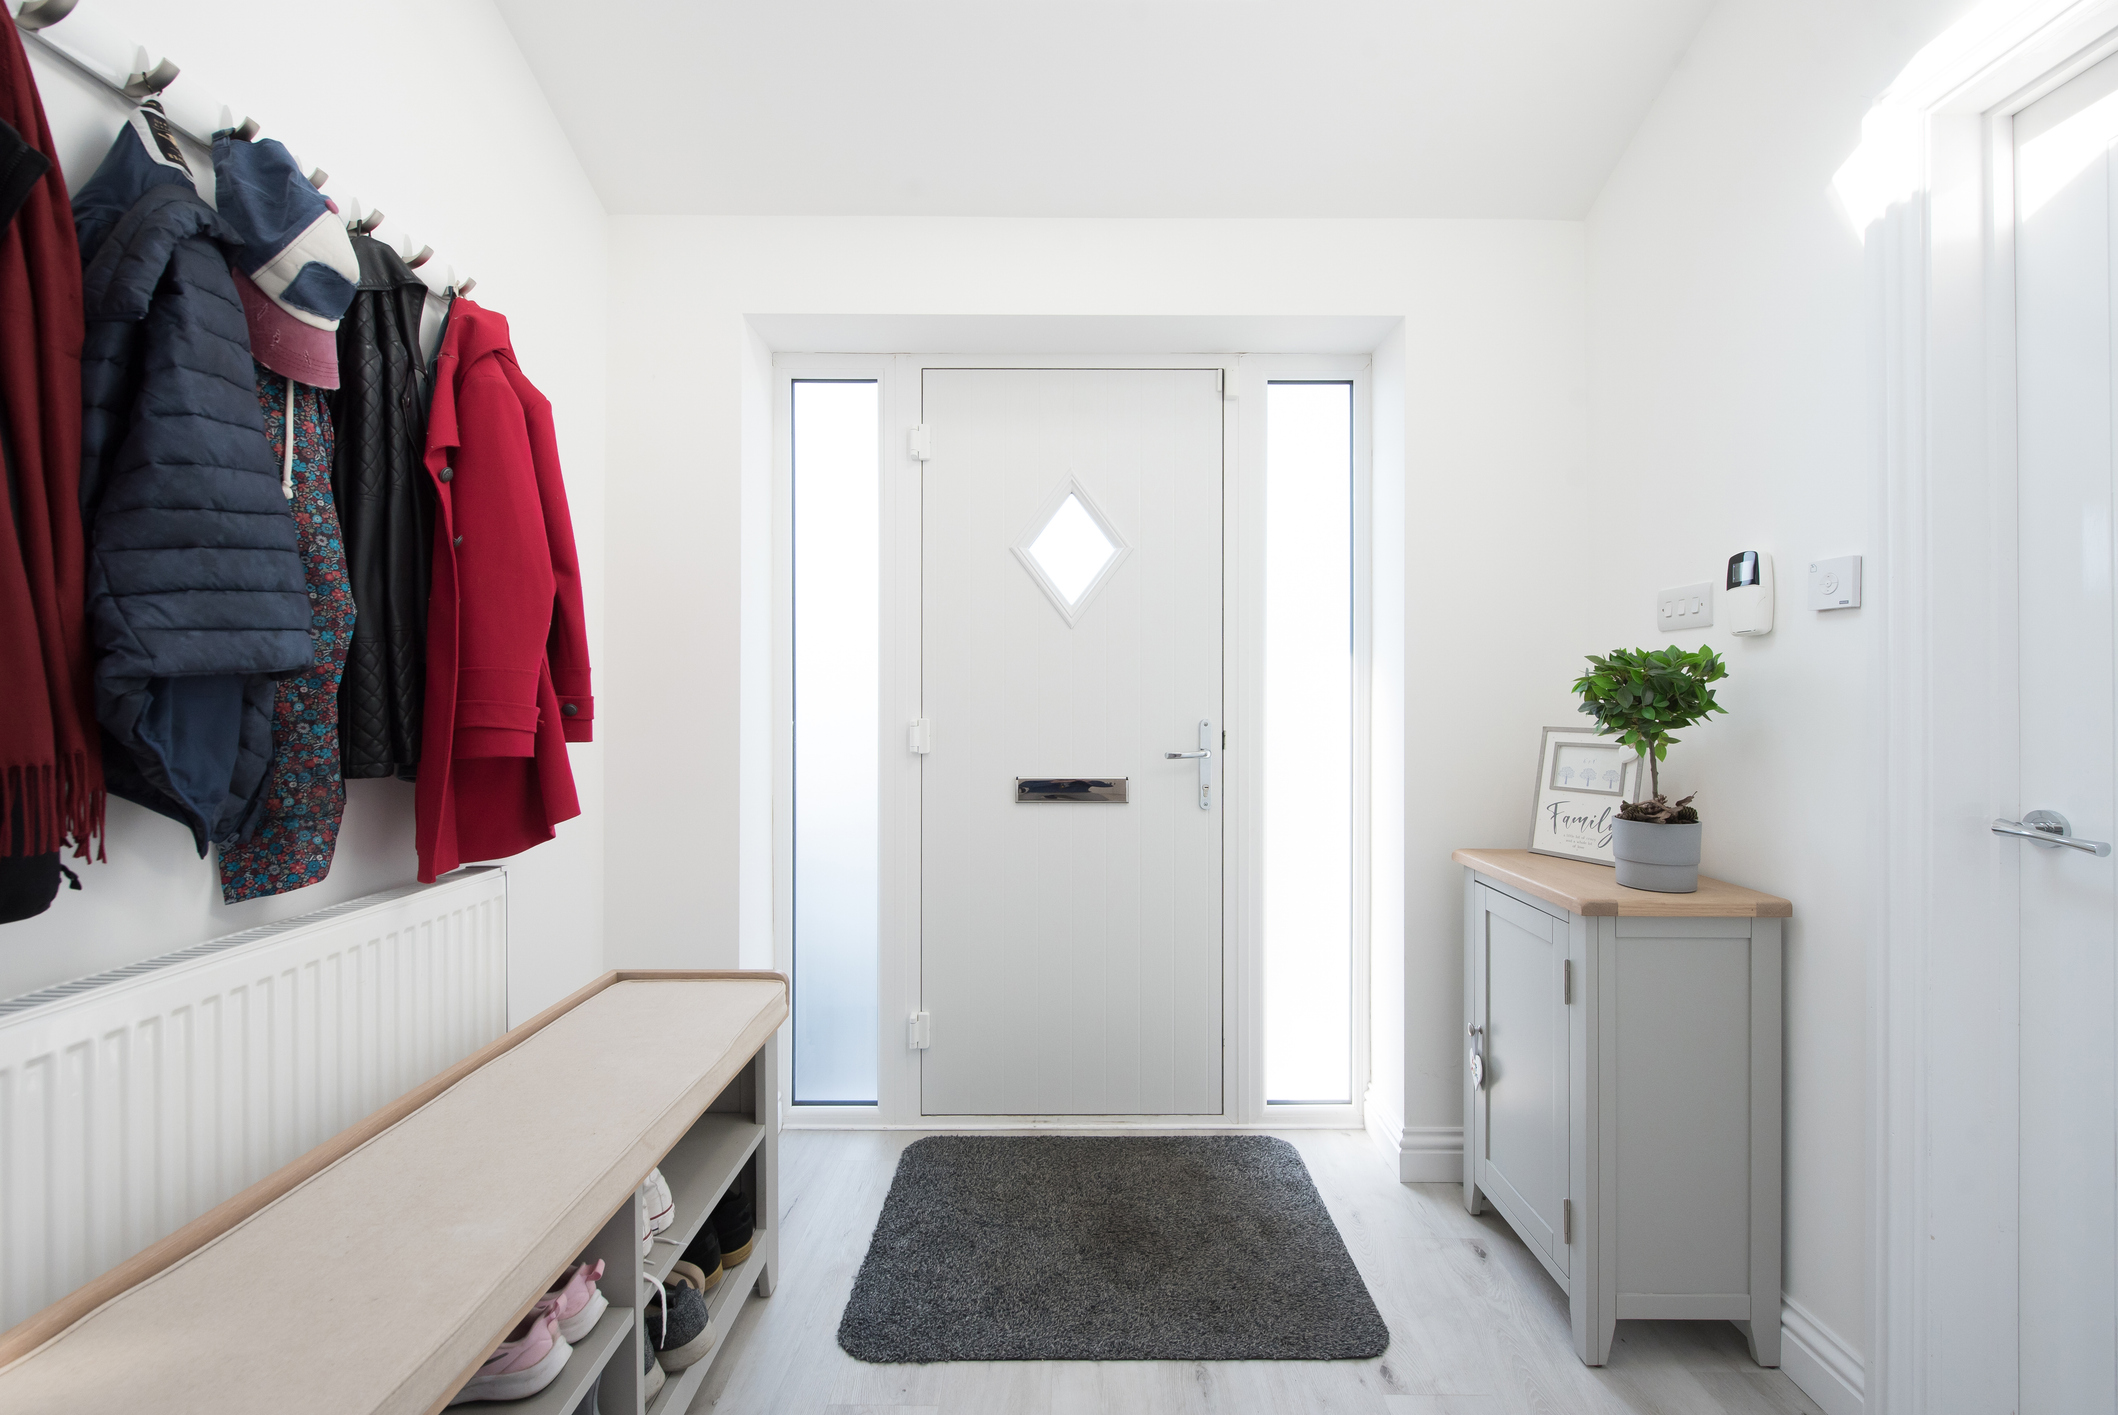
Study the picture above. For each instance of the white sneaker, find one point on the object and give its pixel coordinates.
(660, 1204)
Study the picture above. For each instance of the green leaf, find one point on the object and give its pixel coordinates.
(1643, 697)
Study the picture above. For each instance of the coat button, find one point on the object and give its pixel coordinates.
(569, 709)
(458, 540)
(448, 474)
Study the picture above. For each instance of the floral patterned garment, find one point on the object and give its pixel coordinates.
(305, 797)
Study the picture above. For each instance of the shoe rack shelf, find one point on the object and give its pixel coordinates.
(722, 1304)
(726, 1148)
(553, 1126)
(711, 1158)
(610, 1334)
(699, 1170)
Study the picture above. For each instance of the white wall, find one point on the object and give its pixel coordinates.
(1385, 1107)
(1733, 392)
(429, 113)
(1490, 450)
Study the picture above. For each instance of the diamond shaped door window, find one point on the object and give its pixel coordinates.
(1071, 550)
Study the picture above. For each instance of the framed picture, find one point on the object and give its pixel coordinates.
(1581, 781)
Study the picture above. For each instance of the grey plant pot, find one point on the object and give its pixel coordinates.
(1664, 858)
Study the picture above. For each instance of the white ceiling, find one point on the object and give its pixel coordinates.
(1102, 107)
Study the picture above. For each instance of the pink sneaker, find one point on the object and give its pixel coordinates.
(524, 1364)
(574, 1300)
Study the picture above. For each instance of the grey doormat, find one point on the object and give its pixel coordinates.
(1081, 1248)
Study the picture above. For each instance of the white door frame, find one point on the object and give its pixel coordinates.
(1944, 994)
(897, 1070)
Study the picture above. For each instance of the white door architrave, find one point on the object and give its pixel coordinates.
(1945, 972)
(898, 1066)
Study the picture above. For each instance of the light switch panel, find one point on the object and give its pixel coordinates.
(1680, 611)
(1835, 584)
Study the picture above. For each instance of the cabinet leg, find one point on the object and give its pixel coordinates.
(1473, 1201)
(1600, 1334)
(768, 1271)
(765, 1199)
(1764, 1339)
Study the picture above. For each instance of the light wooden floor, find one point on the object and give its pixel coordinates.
(1476, 1326)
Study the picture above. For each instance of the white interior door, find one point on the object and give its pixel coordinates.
(2065, 254)
(1070, 952)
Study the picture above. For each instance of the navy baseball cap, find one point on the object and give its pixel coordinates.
(296, 271)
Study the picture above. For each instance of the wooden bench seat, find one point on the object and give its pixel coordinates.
(381, 1277)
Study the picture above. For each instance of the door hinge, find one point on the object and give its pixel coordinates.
(920, 739)
(922, 1031)
(1566, 1217)
(1566, 982)
(920, 444)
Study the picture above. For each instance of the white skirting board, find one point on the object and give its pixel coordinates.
(1425, 1154)
(133, 1101)
(1818, 1360)
(1422, 1154)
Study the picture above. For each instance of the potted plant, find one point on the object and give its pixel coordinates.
(1641, 697)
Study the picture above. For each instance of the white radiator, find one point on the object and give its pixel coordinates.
(135, 1100)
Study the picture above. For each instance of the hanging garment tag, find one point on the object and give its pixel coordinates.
(158, 137)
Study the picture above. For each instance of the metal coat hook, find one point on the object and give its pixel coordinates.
(359, 225)
(317, 177)
(413, 260)
(467, 286)
(241, 132)
(146, 82)
(39, 13)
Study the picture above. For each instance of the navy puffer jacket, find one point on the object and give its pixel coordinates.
(195, 588)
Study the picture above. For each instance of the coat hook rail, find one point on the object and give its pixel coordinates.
(91, 48)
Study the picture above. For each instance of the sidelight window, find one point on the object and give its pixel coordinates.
(837, 442)
(1308, 743)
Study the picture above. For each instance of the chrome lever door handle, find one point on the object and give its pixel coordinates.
(2050, 828)
(1204, 758)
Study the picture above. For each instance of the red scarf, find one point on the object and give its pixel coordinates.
(51, 766)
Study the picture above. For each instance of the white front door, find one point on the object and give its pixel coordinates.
(2065, 256)
(1070, 949)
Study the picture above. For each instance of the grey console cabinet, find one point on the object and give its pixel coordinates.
(1622, 1090)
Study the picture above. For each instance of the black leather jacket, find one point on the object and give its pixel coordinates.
(386, 508)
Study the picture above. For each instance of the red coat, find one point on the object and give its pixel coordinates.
(507, 645)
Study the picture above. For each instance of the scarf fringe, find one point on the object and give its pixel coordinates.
(49, 805)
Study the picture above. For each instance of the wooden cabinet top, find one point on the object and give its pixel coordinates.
(1594, 889)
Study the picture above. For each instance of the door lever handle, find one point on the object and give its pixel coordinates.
(2050, 828)
(1205, 760)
